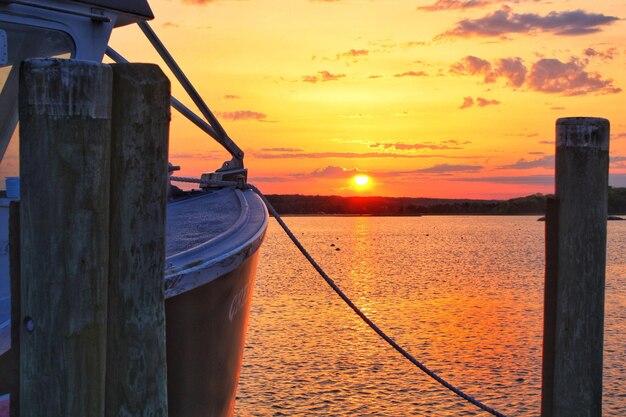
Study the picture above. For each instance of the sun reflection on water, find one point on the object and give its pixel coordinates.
(464, 295)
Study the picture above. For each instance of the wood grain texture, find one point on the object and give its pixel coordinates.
(65, 127)
(136, 368)
(582, 161)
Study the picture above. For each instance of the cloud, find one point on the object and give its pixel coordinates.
(349, 155)
(446, 168)
(353, 53)
(399, 146)
(231, 97)
(330, 171)
(480, 102)
(549, 75)
(322, 76)
(242, 115)
(504, 22)
(440, 5)
(467, 103)
(472, 65)
(544, 162)
(282, 150)
(513, 69)
(170, 25)
(411, 74)
(524, 179)
(607, 55)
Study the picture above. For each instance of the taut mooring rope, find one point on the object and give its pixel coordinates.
(363, 317)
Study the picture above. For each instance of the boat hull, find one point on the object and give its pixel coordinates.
(205, 332)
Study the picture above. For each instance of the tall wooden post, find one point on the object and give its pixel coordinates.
(575, 273)
(65, 128)
(136, 367)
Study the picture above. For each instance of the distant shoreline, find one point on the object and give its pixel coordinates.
(316, 205)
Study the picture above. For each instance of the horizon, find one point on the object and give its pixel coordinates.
(437, 98)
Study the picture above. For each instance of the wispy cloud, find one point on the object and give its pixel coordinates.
(544, 162)
(547, 75)
(523, 179)
(411, 74)
(353, 53)
(321, 77)
(399, 146)
(282, 150)
(231, 97)
(480, 102)
(606, 55)
(242, 115)
(331, 171)
(349, 155)
(505, 21)
(440, 5)
(447, 168)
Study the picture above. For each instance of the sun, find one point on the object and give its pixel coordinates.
(361, 180)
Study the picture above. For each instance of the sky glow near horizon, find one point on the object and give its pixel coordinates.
(428, 98)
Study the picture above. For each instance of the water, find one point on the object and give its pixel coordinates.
(462, 294)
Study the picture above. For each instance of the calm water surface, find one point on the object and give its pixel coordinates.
(462, 294)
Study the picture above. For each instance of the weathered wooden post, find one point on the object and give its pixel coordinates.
(65, 129)
(136, 367)
(575, 271)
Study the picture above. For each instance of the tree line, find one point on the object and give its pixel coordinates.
(404, 206)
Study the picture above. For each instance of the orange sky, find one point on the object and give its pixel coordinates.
(432, 98)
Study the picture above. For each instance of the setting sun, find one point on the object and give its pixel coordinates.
(361, 180)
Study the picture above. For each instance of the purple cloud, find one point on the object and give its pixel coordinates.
(440, 5)
(607, 55)
(472, 65)
(480, 102)
(504, 22)
(242, 115)
(513, 69)
(544, 162)
(411, 74)
(549, 75)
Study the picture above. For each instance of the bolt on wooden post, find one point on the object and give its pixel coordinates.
(576, 230)
(65, 129)
(93, 153)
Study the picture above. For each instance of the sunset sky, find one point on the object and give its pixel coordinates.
(429, 98)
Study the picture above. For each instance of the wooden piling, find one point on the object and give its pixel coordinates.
(16, 308)
(136, 367)
(65, 129)
(574, 322)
